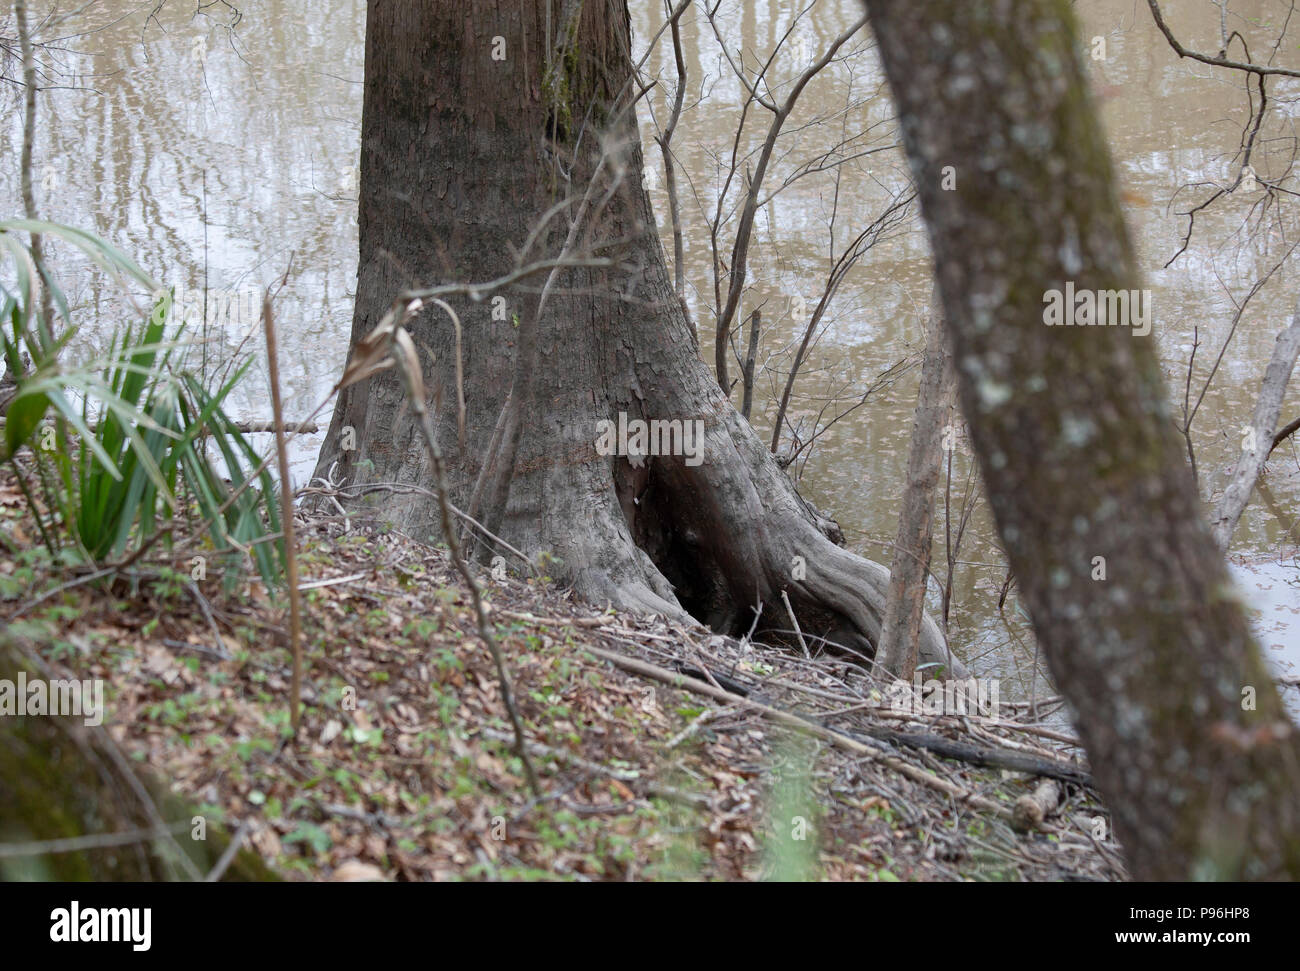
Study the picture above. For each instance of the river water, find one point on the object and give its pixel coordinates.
(221, 153)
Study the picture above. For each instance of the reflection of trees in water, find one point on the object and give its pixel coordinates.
(211, 155)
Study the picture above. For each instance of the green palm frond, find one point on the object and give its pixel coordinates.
(132, 427)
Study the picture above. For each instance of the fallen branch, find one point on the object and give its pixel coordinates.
(556, 621)
(982, 755)
(838, 739)
(292, 427)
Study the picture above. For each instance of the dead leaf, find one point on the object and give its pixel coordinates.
(354, 871)
(331, 731)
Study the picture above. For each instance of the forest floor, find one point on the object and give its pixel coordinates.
(714, 759)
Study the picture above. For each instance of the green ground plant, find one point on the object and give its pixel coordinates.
(130, 448)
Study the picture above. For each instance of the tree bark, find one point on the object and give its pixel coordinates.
(751, 360)
(1183, 725)
(461, 157)
(909, 571)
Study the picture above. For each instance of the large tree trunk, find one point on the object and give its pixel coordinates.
(461, 156)
(1077, 450)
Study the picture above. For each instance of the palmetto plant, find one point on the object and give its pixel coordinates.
(120, 444)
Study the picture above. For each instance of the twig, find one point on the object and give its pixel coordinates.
(330, 582)
(798, 633)
(236, 841)
(79, 581)
(293, 427)
(1286, 432)
(286, 516)
(1219, 61)
(744, 232)
(73, 844)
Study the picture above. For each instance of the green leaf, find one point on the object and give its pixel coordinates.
(25, 413)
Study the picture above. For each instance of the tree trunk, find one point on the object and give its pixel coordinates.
(751, 360)
(909, 571)
(1263, 423)
(1183, 725)
(462, 154)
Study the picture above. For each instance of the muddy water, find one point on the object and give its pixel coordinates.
(220, 157)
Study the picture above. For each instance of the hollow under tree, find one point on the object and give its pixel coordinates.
(476, 124)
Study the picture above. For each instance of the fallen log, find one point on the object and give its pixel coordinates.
(1033, 807)
(803, 723)
(982, 755)
(987, 756)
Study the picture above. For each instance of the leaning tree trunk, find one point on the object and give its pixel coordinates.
(1129, 595)
(473, 127)
(909, 570)
(1260, 432)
